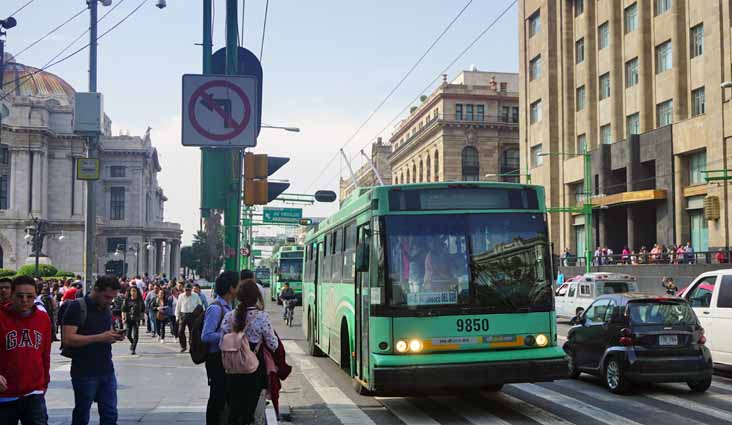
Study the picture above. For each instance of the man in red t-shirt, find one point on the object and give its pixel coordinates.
(25, 356)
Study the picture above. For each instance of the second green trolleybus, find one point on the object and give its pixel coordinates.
(287, 263)
(424, 288)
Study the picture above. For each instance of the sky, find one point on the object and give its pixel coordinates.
(327, 65)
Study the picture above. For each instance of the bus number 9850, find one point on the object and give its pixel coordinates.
(472, 325)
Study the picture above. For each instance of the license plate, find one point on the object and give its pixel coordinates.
(668, 340)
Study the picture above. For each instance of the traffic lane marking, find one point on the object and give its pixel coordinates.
(578, 406)
(469, 411)
(406, 411)
(336, 400)
(536, 413)
(723, 415)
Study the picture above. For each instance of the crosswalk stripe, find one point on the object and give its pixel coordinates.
(406, 411)
(529, 410)
(576, 405)
(470, 411)
(721, 385)
(692, 405)
(341, 405)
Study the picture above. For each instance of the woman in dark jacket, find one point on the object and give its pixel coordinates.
(133, 308)
(159, 306)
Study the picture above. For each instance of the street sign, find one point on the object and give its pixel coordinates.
(219, 110)
(87, 168)
(257, 253)
(282, 215)
(244, 251)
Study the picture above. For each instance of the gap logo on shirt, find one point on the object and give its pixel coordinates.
(12, 342)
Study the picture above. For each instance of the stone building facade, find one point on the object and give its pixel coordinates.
(637, 84)
(465, 130)
(38, 149)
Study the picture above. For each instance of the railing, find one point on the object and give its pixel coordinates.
(641, 259)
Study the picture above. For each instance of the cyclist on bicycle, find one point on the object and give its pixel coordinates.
(286, 294)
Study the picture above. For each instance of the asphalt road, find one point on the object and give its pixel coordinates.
(162, 386)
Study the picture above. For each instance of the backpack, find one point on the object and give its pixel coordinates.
(199, 349)
(236, 354)
(69, 351)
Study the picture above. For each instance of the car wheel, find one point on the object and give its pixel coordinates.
(701, 385)
(574, 372)
(615, 380)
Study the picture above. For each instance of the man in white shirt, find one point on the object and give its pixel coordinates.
(187, 302)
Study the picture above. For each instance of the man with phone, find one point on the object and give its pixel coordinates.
(89, 334)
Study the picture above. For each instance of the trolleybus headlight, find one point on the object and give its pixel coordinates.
(401, 346)
(415, 346)
(542, 340)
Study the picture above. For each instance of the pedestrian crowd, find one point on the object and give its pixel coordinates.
(32, 312)
(658, 254)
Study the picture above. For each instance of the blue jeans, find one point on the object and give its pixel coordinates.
(103, 390)
(151, 321)
(30, 410)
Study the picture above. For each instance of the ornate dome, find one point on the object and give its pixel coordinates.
(27, 81)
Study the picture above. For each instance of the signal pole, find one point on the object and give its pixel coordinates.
(90, 236)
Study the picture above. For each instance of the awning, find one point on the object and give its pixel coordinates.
(629, 198)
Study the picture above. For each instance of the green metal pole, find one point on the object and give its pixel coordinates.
(587, 210)
(232, 217)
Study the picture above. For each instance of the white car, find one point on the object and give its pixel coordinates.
(710, 295)
(581, 291)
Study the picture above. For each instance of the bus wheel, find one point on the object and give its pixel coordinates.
(345, 349)
(313, 349)
(360, 389)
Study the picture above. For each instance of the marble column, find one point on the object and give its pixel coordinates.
(167, 257)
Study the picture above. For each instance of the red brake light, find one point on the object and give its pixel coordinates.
(626, 340)
(702, 340)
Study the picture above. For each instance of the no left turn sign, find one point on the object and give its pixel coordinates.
(218, 111)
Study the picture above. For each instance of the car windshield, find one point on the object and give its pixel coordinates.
(661, 313)
(495, 261)
(290, 270)
(615, 287)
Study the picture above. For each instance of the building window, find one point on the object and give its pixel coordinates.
(603, 36)
(117, 171)
(421, 171)
(580, 98)
(437, 166)
(480, 113)
(579, 51)
(535, 112)
(514, 114)
(631, 18)
(606, 137)
(662, 6)
(469, 112)
(534, 24)
(471, 164)
(664, 113)
(535, 68)
(510, 164)
(114, 244)
(505, 113)
(427, 168)
(631, 73)
(4, 155)
(579, 7)
(664, 57)
(697, 164)
(117, 203)
(698, 104)
(697, 40)
(582, 143)
(604, 86)
(4, 192)
(632, 124)
(503, 87)
(459, 111)
(536, 158)
(408, 180)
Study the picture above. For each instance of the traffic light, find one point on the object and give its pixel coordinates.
(257, 168)
(306, 221)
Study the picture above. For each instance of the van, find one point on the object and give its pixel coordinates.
(582, 290)
(710, 295)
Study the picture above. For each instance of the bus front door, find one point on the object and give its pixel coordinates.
(363, 304)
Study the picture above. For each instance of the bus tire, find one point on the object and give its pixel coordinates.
(360, 389)
(313, 349)
(345, 349)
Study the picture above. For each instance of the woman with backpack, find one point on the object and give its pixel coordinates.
(133, 310)
(160, 306)
(254, 328)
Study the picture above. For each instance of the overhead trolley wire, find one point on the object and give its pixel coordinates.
(48, 34)
(393, 90)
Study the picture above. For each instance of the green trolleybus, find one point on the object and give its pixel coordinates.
(424, 288)
(288, 262)
(263, 274)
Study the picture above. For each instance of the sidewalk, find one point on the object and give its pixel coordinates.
(157, 386)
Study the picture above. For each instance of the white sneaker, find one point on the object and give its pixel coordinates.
(162, 340)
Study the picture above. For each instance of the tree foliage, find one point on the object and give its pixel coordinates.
(206, 255)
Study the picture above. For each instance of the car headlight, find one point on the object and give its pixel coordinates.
(542, 340)
(401, 346)
(415, 346)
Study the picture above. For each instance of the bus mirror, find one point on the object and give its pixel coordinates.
(362, 258)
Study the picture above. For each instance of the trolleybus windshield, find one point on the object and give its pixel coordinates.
(290, 270)
(494, 261)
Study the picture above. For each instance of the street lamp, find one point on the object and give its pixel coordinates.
(34, 234)
(277, 127)
(586, 209)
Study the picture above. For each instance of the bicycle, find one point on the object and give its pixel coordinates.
(290, 311)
